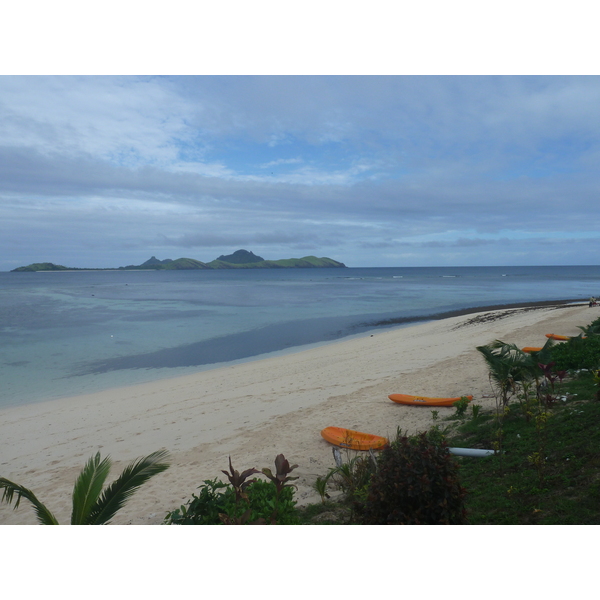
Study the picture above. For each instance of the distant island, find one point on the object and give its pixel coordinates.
(241, 259)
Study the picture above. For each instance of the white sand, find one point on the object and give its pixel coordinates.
(256, 410)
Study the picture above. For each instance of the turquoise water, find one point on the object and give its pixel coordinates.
(67, 333)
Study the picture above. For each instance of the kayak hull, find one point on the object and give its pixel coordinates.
(531, 349)
(355, 440)
(560, 338)
(424, 400)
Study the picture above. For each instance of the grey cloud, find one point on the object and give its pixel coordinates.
(402, 157)
(438, 204)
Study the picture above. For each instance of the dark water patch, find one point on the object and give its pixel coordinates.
(237, 346)
(274, 338)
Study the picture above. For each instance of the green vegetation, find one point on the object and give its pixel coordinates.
(413, 480)
(184, 264)
(89, 507)
(415, 483)
(242, 501)
(241, 259)
(577, 353)
(46, 266)
(305, 262)
(545, 433)
(545, 469)
(559, 486)
(287, 263)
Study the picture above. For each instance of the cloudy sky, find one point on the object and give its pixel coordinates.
(103, 171)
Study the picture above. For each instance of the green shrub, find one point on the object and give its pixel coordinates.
(242, 500)
(215, 498)
(353, 477)
(461, 407)
(416, 483)
(577, 353)
(266, 502)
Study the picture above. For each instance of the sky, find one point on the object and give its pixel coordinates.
(410, 169)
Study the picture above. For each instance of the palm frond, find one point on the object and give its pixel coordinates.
(88, 487)
(119, 491)
(44, 516)
(545, 354)
(507, 366)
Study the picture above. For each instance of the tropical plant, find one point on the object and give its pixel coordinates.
(320, 486)
(596, 375)
(508, 366)
(238, 480)
(242, 501)
(461, 407)
(592, 329)
(239, 484)
(280, 480)
(577, 353)
(269, 506)
(91, 505)
(215, 498)
(282, 471)
(416, 483)
(353, 476)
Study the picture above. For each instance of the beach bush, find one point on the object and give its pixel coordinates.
(213, 499)
(460, 407)
(577, 353)
(272, 506)
(216, 503)
(352, 477)
(592, 329)
(416, 483)
(242, 501)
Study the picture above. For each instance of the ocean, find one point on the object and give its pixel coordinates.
(69, 333)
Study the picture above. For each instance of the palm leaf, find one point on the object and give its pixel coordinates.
(88, 487)
(45, 517)
(507, 365)
(545, 354)
(119, 491)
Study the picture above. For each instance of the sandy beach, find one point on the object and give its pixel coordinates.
(256, 410)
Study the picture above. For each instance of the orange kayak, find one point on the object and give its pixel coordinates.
(531, 349)
(424, 400)
(355, 440)
(560, 338)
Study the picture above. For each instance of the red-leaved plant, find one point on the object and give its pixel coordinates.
(238, 480)
(280, 479)
(282, 470)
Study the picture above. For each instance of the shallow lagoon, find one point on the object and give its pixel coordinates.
(68, 333)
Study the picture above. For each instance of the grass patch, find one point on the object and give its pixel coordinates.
(510, 490)
(563, 488)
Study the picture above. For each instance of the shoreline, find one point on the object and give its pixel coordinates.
(476, 309)
(256, 409)
(150, 374)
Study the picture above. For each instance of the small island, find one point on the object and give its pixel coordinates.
(240, 259)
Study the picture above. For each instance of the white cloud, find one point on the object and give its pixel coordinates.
(281, 161)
